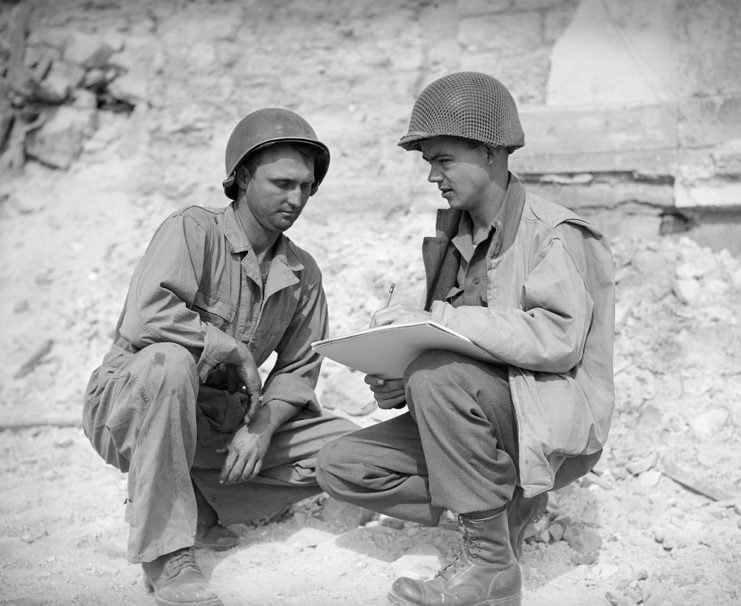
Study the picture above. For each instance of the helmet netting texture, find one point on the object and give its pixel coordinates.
(470, 105)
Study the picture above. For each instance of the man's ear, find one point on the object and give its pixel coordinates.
(494, 155)
(242, 177)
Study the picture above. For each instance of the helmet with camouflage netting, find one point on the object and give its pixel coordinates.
(469, 105)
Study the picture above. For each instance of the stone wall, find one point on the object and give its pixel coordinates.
(631, 108)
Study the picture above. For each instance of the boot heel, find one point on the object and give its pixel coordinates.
(148, 587)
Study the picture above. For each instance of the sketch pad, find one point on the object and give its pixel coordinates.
(386, 351)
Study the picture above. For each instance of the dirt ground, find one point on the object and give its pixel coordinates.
(657, 523)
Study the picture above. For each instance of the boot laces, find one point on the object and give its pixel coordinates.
(467, 553)
(181, 561)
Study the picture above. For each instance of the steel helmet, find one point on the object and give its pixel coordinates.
(265, 127)
(470, 105)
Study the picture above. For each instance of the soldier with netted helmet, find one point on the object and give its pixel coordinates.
(531, 283)
(178, 402)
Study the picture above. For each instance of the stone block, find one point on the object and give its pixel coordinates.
(606, 139)
(711, 193)
(709, 47)
(61, 79)
(58, 143)
(605, 194)
(709, 121)
(130, 87)
(87, 50)
(726, 159)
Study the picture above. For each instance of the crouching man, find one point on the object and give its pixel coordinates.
(532, 284)
(178, 402)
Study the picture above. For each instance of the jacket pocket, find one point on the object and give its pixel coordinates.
(213, 310)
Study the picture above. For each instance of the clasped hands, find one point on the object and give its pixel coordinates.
(390, 393)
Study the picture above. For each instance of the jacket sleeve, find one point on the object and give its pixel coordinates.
(163, 287)
(296, 370)
(548, 332)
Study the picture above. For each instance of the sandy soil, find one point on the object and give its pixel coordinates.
(657, 523)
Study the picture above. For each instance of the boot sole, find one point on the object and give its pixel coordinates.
(149, 588)
(513, 600)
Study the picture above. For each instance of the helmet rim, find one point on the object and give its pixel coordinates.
(466, 105)
(270, 126)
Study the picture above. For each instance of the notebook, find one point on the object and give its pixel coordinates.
(386, 351)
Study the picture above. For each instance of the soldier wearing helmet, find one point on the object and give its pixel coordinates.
(531, 283)
(178, 402)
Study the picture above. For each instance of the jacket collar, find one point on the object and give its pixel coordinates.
(505, 223)
(283, 251)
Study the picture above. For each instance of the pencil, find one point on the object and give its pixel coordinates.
(391, 292)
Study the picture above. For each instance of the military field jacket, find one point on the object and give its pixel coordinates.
(550, 319)
(199, 285)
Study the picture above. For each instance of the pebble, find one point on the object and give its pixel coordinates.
(709, 422)
(556, 531)
(638, 465)
(687, 291)
(650, 478)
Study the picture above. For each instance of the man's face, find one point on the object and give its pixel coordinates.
(277, 185)
(459, 169)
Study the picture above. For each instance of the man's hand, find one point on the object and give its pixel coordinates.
(389, 393)
(397, 314)
(245, 453)
(242, 375)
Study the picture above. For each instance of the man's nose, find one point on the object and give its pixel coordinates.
(434, 176)
(295, 197)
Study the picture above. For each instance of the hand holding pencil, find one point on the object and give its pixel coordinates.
(397, 313)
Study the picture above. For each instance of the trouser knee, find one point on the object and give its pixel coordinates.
(430, 368)
(155, 387)
(330, 462)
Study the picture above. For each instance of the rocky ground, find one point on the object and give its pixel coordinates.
(658, 522)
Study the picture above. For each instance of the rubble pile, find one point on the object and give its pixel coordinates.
(54, 82)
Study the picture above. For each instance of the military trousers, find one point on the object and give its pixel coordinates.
(146, 414)
(455, 449)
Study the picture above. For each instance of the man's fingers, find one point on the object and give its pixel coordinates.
(227, 467)
(251, 469)
(241, 465)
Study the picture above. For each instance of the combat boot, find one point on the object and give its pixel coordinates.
(176, 579)
(522, 512)
(484, 573)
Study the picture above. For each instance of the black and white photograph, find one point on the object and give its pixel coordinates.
(370, 302)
